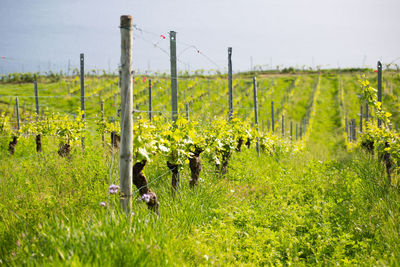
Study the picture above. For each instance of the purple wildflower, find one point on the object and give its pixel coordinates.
(146, 198)
(113, 189)
(103, 204)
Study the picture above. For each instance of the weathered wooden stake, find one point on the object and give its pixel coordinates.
(350, 130)
(126, 145)
(150, 101)
(297, 131)
(36, 100)
(272, 116)
(187, 111)
(17, 110)
(283, 125)
(82, 60)
(174, 78)
(174, 93)
(361, 118)
(301, 131)
(379, 87)
(291, 130)
(353, 122)
(230, 83)
(39, 136)
(256, 112)
(366, 112)
(102, 119)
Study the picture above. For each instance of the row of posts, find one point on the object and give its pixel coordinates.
(36, 92)
(127, 97)
(350, 125)
(126, 150)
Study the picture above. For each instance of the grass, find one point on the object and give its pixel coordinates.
(291, 210)
(323, 206)
(325, 130)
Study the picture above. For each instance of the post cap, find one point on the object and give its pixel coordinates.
(126, 21)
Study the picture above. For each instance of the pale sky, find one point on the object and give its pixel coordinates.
(48, 33)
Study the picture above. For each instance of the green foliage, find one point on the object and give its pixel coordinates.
(5, 128)
(379, 138)
(369, 94)
(27, 77)
(295, 211)
(104, 127)
(276, 146)
(293, 205)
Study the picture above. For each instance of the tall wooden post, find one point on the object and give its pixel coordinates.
(361, 118)
(150, 101)
(350, 132)
(17, 110)
(187, 111)
(291, 130)
(379, 87)
(174, 94)
(82, 60)
(301, 131)
(230, 83)
(283, 125)
(256, 112)
(174, 78)
(102, 119)
(272, 116)
(36, 100)
(126, 147)
(39, 136)
(353, 123)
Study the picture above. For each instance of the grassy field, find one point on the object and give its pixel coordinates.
(322, 206)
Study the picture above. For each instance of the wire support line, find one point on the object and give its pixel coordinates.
(50, 96)
(151, 182)
(188, 46)
(160, 48)
(199, 52)
(152, 43)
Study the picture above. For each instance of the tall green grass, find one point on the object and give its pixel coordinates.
(323, 206)
(293, 209)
